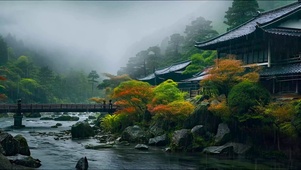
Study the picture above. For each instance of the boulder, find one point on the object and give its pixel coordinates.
(82, 164)
(134, 134)
(141, 147)
(58, 124)
(4, 163)
(223, 133)
(9, 144)
(156, 130)
(81, 130)
(23, 146)
(67, 118)
(46, 118)
(198, 130)
(158, 140)
(182, 139)
(32, 115)
(91, 117)
(27, 161)
(230, 147)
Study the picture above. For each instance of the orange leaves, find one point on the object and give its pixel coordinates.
(2, 78)
(228, 72)
(220, 109)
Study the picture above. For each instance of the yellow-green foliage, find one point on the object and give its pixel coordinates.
(115, 123)
(281, 112)
(167, 92)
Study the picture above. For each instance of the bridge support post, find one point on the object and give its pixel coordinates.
(18, 117)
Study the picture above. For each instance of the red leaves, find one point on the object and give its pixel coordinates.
(2, 78)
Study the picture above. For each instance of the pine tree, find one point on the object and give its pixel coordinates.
(240, 12)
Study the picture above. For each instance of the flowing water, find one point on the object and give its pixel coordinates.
(64, 154)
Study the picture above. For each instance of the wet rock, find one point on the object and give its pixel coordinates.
(46, 118)
(223, 133)
(82, 164)
(58, 124)
(5, 163)
(27, 161)
(9, 144)
(182, 139)
(23, 145)
(168, 149)
(91, 117)
(100, 146)
(198, 130)
(158, 140)
(67, 118)
(134, 134)
(141, 147)
(54, 126)
(81, 130)
(230, 147)
(156, 130)
(32, 115)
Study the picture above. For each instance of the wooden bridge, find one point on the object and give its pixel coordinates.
(31, 108)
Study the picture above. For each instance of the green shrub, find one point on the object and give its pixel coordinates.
(246, 95)
(116, 123)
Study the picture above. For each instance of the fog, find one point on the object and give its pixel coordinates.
(100, 35)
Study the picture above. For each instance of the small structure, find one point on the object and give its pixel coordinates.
(271, 40)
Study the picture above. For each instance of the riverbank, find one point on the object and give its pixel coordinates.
(64, 154)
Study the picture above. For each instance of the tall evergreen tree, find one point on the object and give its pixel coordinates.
(240, 12)
(3, 51)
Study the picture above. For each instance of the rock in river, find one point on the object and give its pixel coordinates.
(82, 164)
(141, 147)
(67, 118)
(134, 134)
(182, 139)
(158, 140)
(23, 146)
(9, 144)
(81, 130)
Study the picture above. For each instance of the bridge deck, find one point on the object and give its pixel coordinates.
(58, 108)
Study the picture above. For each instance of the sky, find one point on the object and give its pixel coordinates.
(99, 35)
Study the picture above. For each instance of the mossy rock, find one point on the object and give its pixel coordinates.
(82, 130)
(67, 118)
(23, 145)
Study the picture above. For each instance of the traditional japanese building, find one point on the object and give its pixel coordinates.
(173, 72)
(271, 40)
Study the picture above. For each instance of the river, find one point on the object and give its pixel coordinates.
(64, 154)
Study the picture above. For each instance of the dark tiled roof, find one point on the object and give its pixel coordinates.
(172, 68)
(284, 31)
(199, 76)
(250, 26)
(281, 70)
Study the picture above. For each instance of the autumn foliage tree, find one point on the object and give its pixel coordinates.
(2, 96)
(228, 72)
(132, 97)
(168, 106)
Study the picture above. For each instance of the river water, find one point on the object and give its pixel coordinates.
(64, 154)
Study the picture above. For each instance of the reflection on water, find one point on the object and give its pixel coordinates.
(64, 154)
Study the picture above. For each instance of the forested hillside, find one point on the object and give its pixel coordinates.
(29, 76)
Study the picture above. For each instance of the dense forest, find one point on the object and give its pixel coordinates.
(29, 77)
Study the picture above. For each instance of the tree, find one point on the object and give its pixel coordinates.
(133, 96)
(200, 61)
(228, 72)
(240, 12)
(93, 76)
(2, 96)
(199, 30)
(174, 48)
(3, 52)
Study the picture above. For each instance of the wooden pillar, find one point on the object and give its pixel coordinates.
(269, 53)
(273, 85)
(297, 86)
